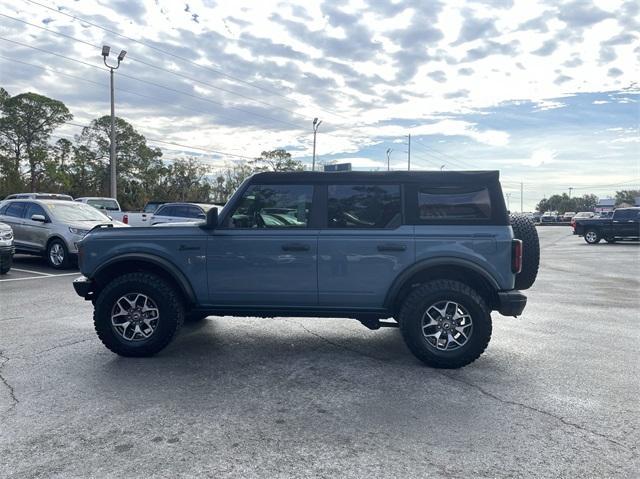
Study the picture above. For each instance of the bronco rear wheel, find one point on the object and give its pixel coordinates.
(445, 324)
(137, 314)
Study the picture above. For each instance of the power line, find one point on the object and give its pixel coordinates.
(142, 62)
(297, 127)
(446, 158)
(153, 140)
(160, 50)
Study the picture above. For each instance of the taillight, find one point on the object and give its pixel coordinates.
(125, 219)
(516, 256)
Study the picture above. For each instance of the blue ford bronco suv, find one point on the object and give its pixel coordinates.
(432, 253)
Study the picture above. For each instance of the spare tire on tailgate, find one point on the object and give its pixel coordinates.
(525, 230)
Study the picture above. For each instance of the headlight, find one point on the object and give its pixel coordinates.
(78, 231)
(8, 236)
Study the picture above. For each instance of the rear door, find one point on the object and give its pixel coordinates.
(363, 244)
(266, 252)
(625, 223)
(13, 215)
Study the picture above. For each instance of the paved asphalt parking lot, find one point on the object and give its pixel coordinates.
(555, 395)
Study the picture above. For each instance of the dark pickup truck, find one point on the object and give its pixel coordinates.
(624, 224)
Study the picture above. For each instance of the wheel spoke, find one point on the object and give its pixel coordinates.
(134, 316)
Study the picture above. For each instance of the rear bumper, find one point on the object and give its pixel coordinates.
(84, 287)
(511, 303)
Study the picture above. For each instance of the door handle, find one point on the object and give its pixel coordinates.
(392, 247)
(295, 247)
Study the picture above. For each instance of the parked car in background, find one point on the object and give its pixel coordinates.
(582, 215)
(106, 204)
(549, 217)
(181, 213)
(568, 215)
(6, 248)
(51, 228)
(111, 207)
(39, 196)
(624, 224)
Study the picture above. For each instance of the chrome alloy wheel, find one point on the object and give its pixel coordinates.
(56, 254)
(447, 325)
(591, 236)
(134, 317)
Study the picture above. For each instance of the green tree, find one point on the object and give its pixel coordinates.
(139, 167)
(186, 181)
(276, 160)
(26, 123)
(626, 196)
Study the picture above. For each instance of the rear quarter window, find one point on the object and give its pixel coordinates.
(453, 203)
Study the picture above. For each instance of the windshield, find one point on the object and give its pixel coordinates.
(75, 212)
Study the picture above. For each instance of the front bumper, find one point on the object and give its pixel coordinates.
(7, 250)
(511, 303)
(84, 287)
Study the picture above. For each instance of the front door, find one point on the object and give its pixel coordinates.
(625, 222)
(35, 233)
(265, 253)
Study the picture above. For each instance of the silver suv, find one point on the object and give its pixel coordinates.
(50, 227)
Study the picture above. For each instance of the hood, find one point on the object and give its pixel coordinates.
(89, 225)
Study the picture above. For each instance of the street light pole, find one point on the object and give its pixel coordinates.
(389, 150)
(316, 124)
(442, 167)
(113, 187)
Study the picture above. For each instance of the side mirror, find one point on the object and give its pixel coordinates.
(40, 218)
(212, 218)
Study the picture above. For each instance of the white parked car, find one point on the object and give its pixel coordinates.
(111, 207)
(6, 248)
(181, 213)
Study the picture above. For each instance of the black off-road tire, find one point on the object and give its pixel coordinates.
(5, 264)
(66, 261)
(170, 309)
(414, 308)
(592, 236)
(525, 230)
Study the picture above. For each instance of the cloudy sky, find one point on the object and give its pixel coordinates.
(546, 91)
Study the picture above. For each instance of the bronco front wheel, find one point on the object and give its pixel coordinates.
(137, 314)
(445, 324)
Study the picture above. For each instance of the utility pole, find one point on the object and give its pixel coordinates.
(570, 190)
(508, 196)
(442, 167)
(409, 154)
(389, 150)
(112, 147)
(521, 197)
(316, 124)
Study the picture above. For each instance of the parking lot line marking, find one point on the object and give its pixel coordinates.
(49, 276)
(32, 272)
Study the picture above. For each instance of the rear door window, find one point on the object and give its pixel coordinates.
(452, 203)
(364, 206)
(15, 210)
(165, 211)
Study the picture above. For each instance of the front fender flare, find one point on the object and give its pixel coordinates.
(157, 261)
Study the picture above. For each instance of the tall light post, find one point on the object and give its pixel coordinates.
(112, 150)
(442, 167)
(389, 150)
(316, 124)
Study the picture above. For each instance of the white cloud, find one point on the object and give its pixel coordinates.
(542, 157)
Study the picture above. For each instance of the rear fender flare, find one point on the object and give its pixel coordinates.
(424, 265)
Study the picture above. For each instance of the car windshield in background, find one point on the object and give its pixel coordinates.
(75, 212)
(151, 207)
(104, 204)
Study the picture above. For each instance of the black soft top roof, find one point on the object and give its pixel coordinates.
(437, 177)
